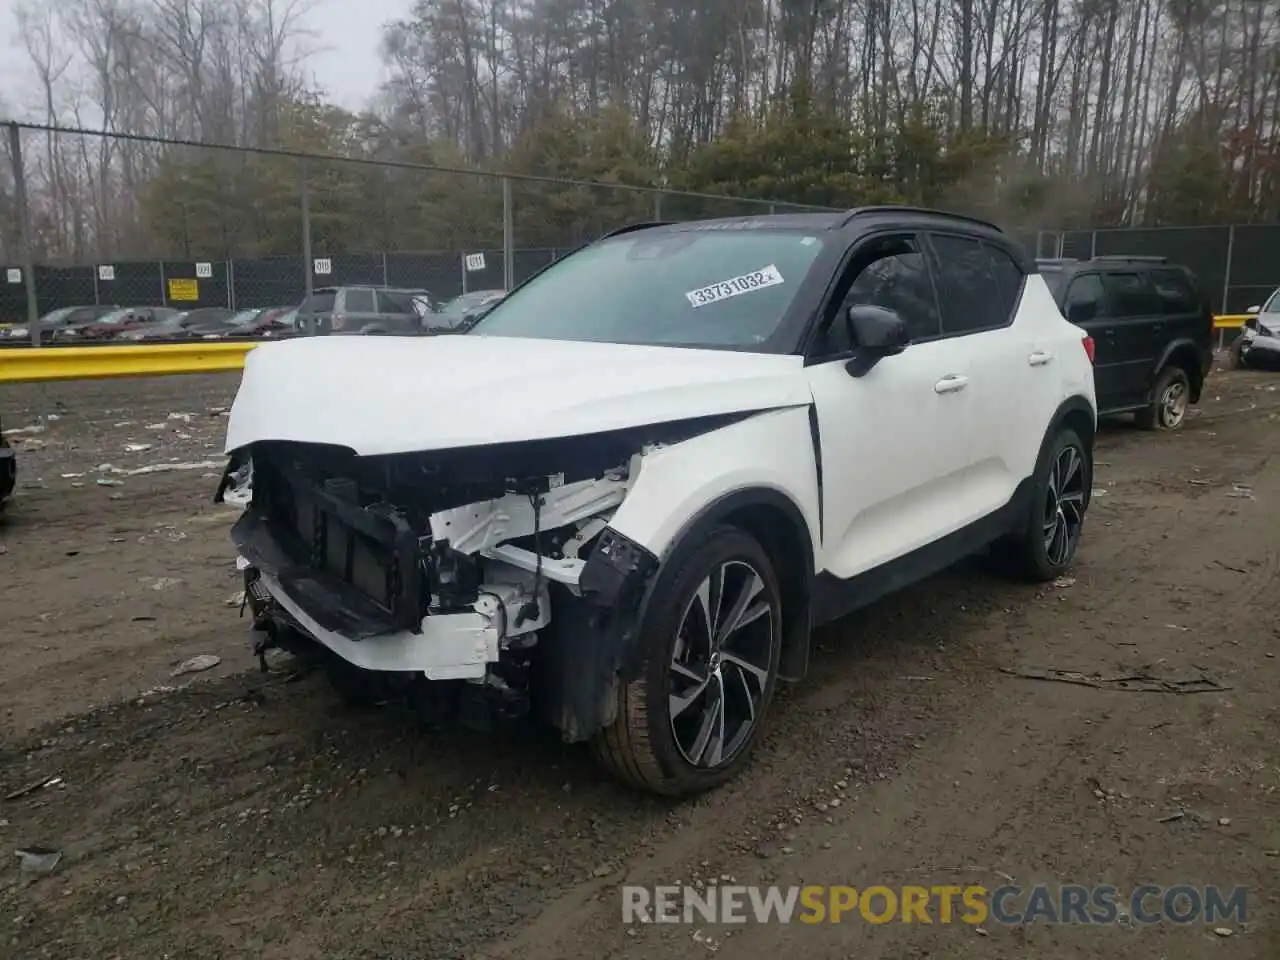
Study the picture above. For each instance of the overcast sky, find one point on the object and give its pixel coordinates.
(345, 65)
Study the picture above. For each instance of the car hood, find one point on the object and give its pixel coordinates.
(383, 395)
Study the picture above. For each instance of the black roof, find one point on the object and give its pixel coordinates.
(833, 220)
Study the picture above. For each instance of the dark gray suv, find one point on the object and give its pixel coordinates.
(364, 310)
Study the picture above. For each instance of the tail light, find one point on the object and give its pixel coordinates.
(1088, 346)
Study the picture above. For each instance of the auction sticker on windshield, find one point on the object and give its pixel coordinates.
(715, 292)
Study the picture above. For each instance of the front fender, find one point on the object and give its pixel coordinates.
(771, 451)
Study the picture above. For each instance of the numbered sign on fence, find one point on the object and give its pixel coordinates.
(106, 272)
(13, 275)
(204, 271)
(322, 266)
(475, 261)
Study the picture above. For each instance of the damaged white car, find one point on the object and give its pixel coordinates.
(620, 503)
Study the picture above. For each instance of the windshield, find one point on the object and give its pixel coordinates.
(243, 318)
(727, 288)
(1273, 304)
(55, 316)
(115, 316)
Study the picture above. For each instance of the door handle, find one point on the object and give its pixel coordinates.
(951, 384)
(1039, 358)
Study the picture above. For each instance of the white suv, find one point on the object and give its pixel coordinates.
(622, 501)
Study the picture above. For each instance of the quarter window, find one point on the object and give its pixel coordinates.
(978, 284)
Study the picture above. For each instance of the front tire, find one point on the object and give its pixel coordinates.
(1169, 401)
(711, 641)
(1046, 545)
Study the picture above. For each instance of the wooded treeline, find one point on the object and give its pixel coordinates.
(1040, 113)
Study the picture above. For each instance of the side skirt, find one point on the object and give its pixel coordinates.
(834, 598)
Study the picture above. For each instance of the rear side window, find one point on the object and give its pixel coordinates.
(394, 303)
(1175, 292)
(318, 303)
(1084, 299)
(978, 285)
(1131, 295)
(358, 301)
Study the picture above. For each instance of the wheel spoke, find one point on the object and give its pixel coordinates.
(706, 740)
(679, 703)
(760, 673)
(741, 613)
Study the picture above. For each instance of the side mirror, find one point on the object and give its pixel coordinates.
(1256, 308)
(878, 332)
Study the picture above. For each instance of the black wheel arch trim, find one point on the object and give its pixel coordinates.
(796, 589)
(1182, 344)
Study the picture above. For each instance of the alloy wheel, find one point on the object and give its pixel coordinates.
(720, 665)
(1064, 505)
(1173, 404)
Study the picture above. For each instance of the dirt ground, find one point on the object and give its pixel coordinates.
(234, 813)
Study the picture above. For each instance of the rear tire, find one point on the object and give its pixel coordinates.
(711, 641)
(1046, 545)
(1169, 401)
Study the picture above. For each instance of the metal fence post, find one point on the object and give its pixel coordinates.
(508, 237)
(164, 299)
(386, 282)
(657, 207)
(1226, 273)
(231, 284)
(1093, 244)
(462, 265)
(306, 240)
(24, 232)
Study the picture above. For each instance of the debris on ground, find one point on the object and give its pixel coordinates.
(1132, 683)
(38, 859)
(1064, 582)
(197, 664)
(137, 447)
(50, 781)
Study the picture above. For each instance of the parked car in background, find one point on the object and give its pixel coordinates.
(58, 321)
(111, 325)
(182, 325)
(260, 322)
(463, 310)
(8, 470)
(364, 310)
(1259, 342)
(1152, 328)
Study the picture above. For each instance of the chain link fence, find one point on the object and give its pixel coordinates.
(1238, 266)
(94, 219)
(88, 218)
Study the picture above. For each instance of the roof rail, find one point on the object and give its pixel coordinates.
(632, 227)
(930, 211)
(1132, 258)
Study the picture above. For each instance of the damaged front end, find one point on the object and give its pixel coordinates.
(482, 582)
